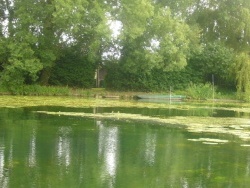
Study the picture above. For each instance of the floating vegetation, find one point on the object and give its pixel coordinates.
(234, 126)
(26, 101)
(245, 145)
(210, 141)
(239, 127)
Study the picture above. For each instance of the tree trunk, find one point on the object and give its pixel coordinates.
(45, 76)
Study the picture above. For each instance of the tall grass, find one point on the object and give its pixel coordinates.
(245, 96)
(42, 90)
(38, 90)
(200, 91)
(194, 91)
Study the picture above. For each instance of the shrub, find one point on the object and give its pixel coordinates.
(42, 90)
(200, 91)
(156, 80)
(74, 70)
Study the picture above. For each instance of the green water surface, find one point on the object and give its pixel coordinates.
(42, 150)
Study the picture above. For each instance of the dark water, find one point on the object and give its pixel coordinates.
(39, 150)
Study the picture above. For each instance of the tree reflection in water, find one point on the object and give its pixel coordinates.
(64, 146)
(150, 147)
(40, 150)
(32, 152)
(4, 178)
(248, 165)
(108, 152)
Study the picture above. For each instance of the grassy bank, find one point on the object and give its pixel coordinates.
(194, 92)
(37, 90)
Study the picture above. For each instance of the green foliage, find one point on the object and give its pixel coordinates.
(214, 59)
(154, 38)
(119, 80)
(3, 52)
(200, 91)
(41, 90)
(157, 80)
(134, 20)
(73, 69)
(226, 21)
(20, 66)
(158, 45)
(242, 69)
(37, 34)
(12, 79)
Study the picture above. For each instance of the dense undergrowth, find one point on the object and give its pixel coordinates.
(193, 92)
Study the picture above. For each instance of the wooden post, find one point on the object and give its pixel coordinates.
(213, 85)
(170, 94)
(97, 77)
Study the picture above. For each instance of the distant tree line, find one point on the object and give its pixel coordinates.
(156, 44)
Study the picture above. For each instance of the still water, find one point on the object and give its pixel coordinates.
(44, 150)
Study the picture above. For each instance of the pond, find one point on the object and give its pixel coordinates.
(181, 145)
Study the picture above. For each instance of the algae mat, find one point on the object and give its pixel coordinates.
(227, 125)
(25, 101)
(236, 126)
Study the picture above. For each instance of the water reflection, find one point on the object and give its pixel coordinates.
(108, 152)
(248, 166)
(3, 172)
(64, 146)
(1, 163)
(184, 182)
(32, 152)
(209, 166)
(150, 147)
(58, 151)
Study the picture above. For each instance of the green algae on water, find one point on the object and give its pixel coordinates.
(234, 126)
(210, 141)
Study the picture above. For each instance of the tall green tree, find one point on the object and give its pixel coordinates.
(153, 41)
(38, 32)
(19, 62)
(73, 69)
(215, 60)
(226, 21)
(153, 38)
(82, 24)
(242, 71)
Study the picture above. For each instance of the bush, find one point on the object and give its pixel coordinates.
(73, 70)
(154, 81)
(200, 91)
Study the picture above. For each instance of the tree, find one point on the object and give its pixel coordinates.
(38, 32)
(226, 21)
(156, 37)
(224, 32)
(242, 70)
(153, 38)
(73, 69)
(214, 60)
(18, 60)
